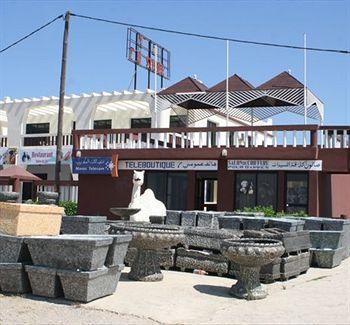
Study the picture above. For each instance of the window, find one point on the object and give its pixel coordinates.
(178, 121)
(37, 128)
(102, 124)
(210, 191)
(212, 134)
(169, 187)
(254, 189)
(297, 192)
(140, 123)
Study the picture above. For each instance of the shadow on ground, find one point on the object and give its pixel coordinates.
(212, 290)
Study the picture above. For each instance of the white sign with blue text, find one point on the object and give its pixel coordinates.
(297, 165)
(169, 164)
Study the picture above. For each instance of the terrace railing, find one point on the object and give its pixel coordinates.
(68, 189)
(46, 139)
(236, 137)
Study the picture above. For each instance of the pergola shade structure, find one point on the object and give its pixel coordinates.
(282, 93)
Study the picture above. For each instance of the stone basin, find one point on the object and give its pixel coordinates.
(124, 213)
(249, 254)
(149, 239)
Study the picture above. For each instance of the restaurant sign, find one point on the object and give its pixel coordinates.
(297, 165)
(43, 155)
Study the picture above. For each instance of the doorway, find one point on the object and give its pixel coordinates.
(27, 188)
(206, 191)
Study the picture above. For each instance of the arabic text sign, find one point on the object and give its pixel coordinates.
(274, 165)
(169, 164)
(43, 156)
(92, 165)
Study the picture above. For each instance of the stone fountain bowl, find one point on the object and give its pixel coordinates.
(151, 236)
(252, 252)
(124, 213)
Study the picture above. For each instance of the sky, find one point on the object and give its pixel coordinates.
(97, 60)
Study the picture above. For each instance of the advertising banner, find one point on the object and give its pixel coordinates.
(43, 155)
(297, 165)
(7, 156)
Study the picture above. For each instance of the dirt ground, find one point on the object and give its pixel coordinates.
(322, 296)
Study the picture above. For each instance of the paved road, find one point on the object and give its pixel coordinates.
(322, 296)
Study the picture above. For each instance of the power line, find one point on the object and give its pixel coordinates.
(30, 34)
(212, 37)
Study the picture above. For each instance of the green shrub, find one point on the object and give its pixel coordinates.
(70, 207)
(270, 212)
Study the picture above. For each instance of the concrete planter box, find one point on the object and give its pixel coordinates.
(289, 225)
(30, 219)
(207, 238)
(87, 286)
(253, 223)
(159, 220)
(69, 252)
(230, 222)
(290, 266)
(189, 218)
(44, 281)
(117, 250)
(313, 223)
(84, 225)
(340, 225)
(271, 272)
(173, 217)
(209, 219)
(13, 278)
(326, 239)
(192, 259)
(250, 214)
(9, 197)
(326, 258)
(13, 250)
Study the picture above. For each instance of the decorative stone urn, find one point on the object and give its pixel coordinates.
(149, 239)
(249, 255)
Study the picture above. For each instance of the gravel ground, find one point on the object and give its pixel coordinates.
(322, 296)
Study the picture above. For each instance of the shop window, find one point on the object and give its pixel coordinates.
(169, 187)
(177, 121)
(254, 189)
(212, 134)
(102, 124)
(140, 123)
(297, 189)
(37, 128)
(210, 191)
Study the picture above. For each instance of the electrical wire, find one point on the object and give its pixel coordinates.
(211, 36)
(30, 34)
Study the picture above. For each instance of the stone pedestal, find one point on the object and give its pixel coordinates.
(145, 266)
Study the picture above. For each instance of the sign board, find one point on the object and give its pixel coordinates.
(297, 165)
(141, 51)
(43, 155)
(8, 156)
(105, 165)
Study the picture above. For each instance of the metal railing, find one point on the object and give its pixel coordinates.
(46, 139)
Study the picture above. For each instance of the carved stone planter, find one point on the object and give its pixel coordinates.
(13, 249)
(30, 219)
(149, 239)
(173, 217)
(13, 278)
(230, 222)
(249, 255)
(9, 197)
(46, 197)
(209, 219)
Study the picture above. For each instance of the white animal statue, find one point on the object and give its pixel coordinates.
(147, 202)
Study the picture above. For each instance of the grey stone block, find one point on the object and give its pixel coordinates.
(117, 250)
(87, 286)
(326, 239)
(326, 258)
(253, 223)
(286, 224)
(159, 220)
(13, 278)
(166, 257)
(313, 223)
(304, 261)
(173, 217)
(290, 266)
(340, 225)
(9, 196)
(45, 197)
(189, 218)
(209, 219)
(208, 238)
(230, 222)
(209, 262)
(84, 225)
(69, 252)
(13, 250)
(44, 281)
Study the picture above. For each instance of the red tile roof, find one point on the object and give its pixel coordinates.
(187, 85)
(235, 83)
(282, 80)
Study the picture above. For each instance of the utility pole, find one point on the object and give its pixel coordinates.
(59, 138)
